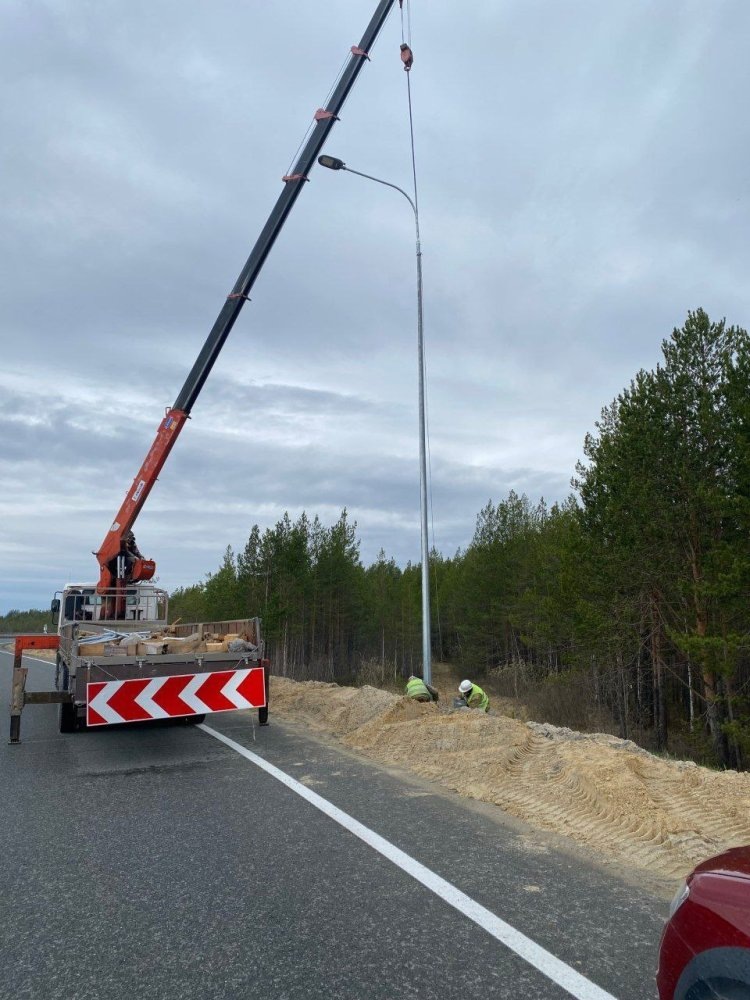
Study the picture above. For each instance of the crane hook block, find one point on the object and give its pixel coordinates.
(407, 56)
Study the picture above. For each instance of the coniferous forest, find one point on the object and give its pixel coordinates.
(624, 608)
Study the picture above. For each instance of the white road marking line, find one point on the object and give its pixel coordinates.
(546, 963)
(36, 659)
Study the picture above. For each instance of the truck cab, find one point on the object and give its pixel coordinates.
(82, 602)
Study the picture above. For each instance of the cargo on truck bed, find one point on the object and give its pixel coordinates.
(139, 668)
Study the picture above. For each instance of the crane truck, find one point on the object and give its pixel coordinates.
(117, 660)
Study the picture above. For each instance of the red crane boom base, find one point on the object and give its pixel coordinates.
(134, 567)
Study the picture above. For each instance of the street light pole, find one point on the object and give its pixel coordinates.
(333, 163)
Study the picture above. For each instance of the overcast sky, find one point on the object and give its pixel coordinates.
(583, 171)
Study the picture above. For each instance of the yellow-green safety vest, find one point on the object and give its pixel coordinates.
(476, 698)
(416, 688)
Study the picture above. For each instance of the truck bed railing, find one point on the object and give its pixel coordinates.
(221, 628)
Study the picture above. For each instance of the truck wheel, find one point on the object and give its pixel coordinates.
(68, 717)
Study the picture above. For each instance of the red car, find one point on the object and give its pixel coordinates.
(705, 948)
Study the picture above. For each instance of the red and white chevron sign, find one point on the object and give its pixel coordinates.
(109, 702)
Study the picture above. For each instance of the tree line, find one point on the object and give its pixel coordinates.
(624, 606)
(26, 621)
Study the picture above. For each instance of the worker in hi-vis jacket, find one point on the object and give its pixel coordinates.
(474, 696)
(419, 691)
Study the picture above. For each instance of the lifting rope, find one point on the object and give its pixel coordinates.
(407, 58)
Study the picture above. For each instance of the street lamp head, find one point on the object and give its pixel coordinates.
(332, 162)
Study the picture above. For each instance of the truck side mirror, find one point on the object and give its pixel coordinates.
(55, 606)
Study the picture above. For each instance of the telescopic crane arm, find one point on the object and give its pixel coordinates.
(120, 562)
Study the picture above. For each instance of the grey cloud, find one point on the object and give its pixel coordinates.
(582, 185)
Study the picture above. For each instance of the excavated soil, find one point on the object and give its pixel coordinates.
(607, 794)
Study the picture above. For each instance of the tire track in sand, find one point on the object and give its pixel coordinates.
(604, 793)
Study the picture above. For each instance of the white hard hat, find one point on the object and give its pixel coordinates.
(465, 686)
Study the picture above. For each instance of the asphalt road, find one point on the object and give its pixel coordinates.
(153, 861)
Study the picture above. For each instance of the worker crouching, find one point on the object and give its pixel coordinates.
(474, 696)
(419, 691)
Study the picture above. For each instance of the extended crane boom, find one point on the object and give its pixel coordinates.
(120, 563)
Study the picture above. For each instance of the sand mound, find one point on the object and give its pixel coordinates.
(605, 793)
(328, 707)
